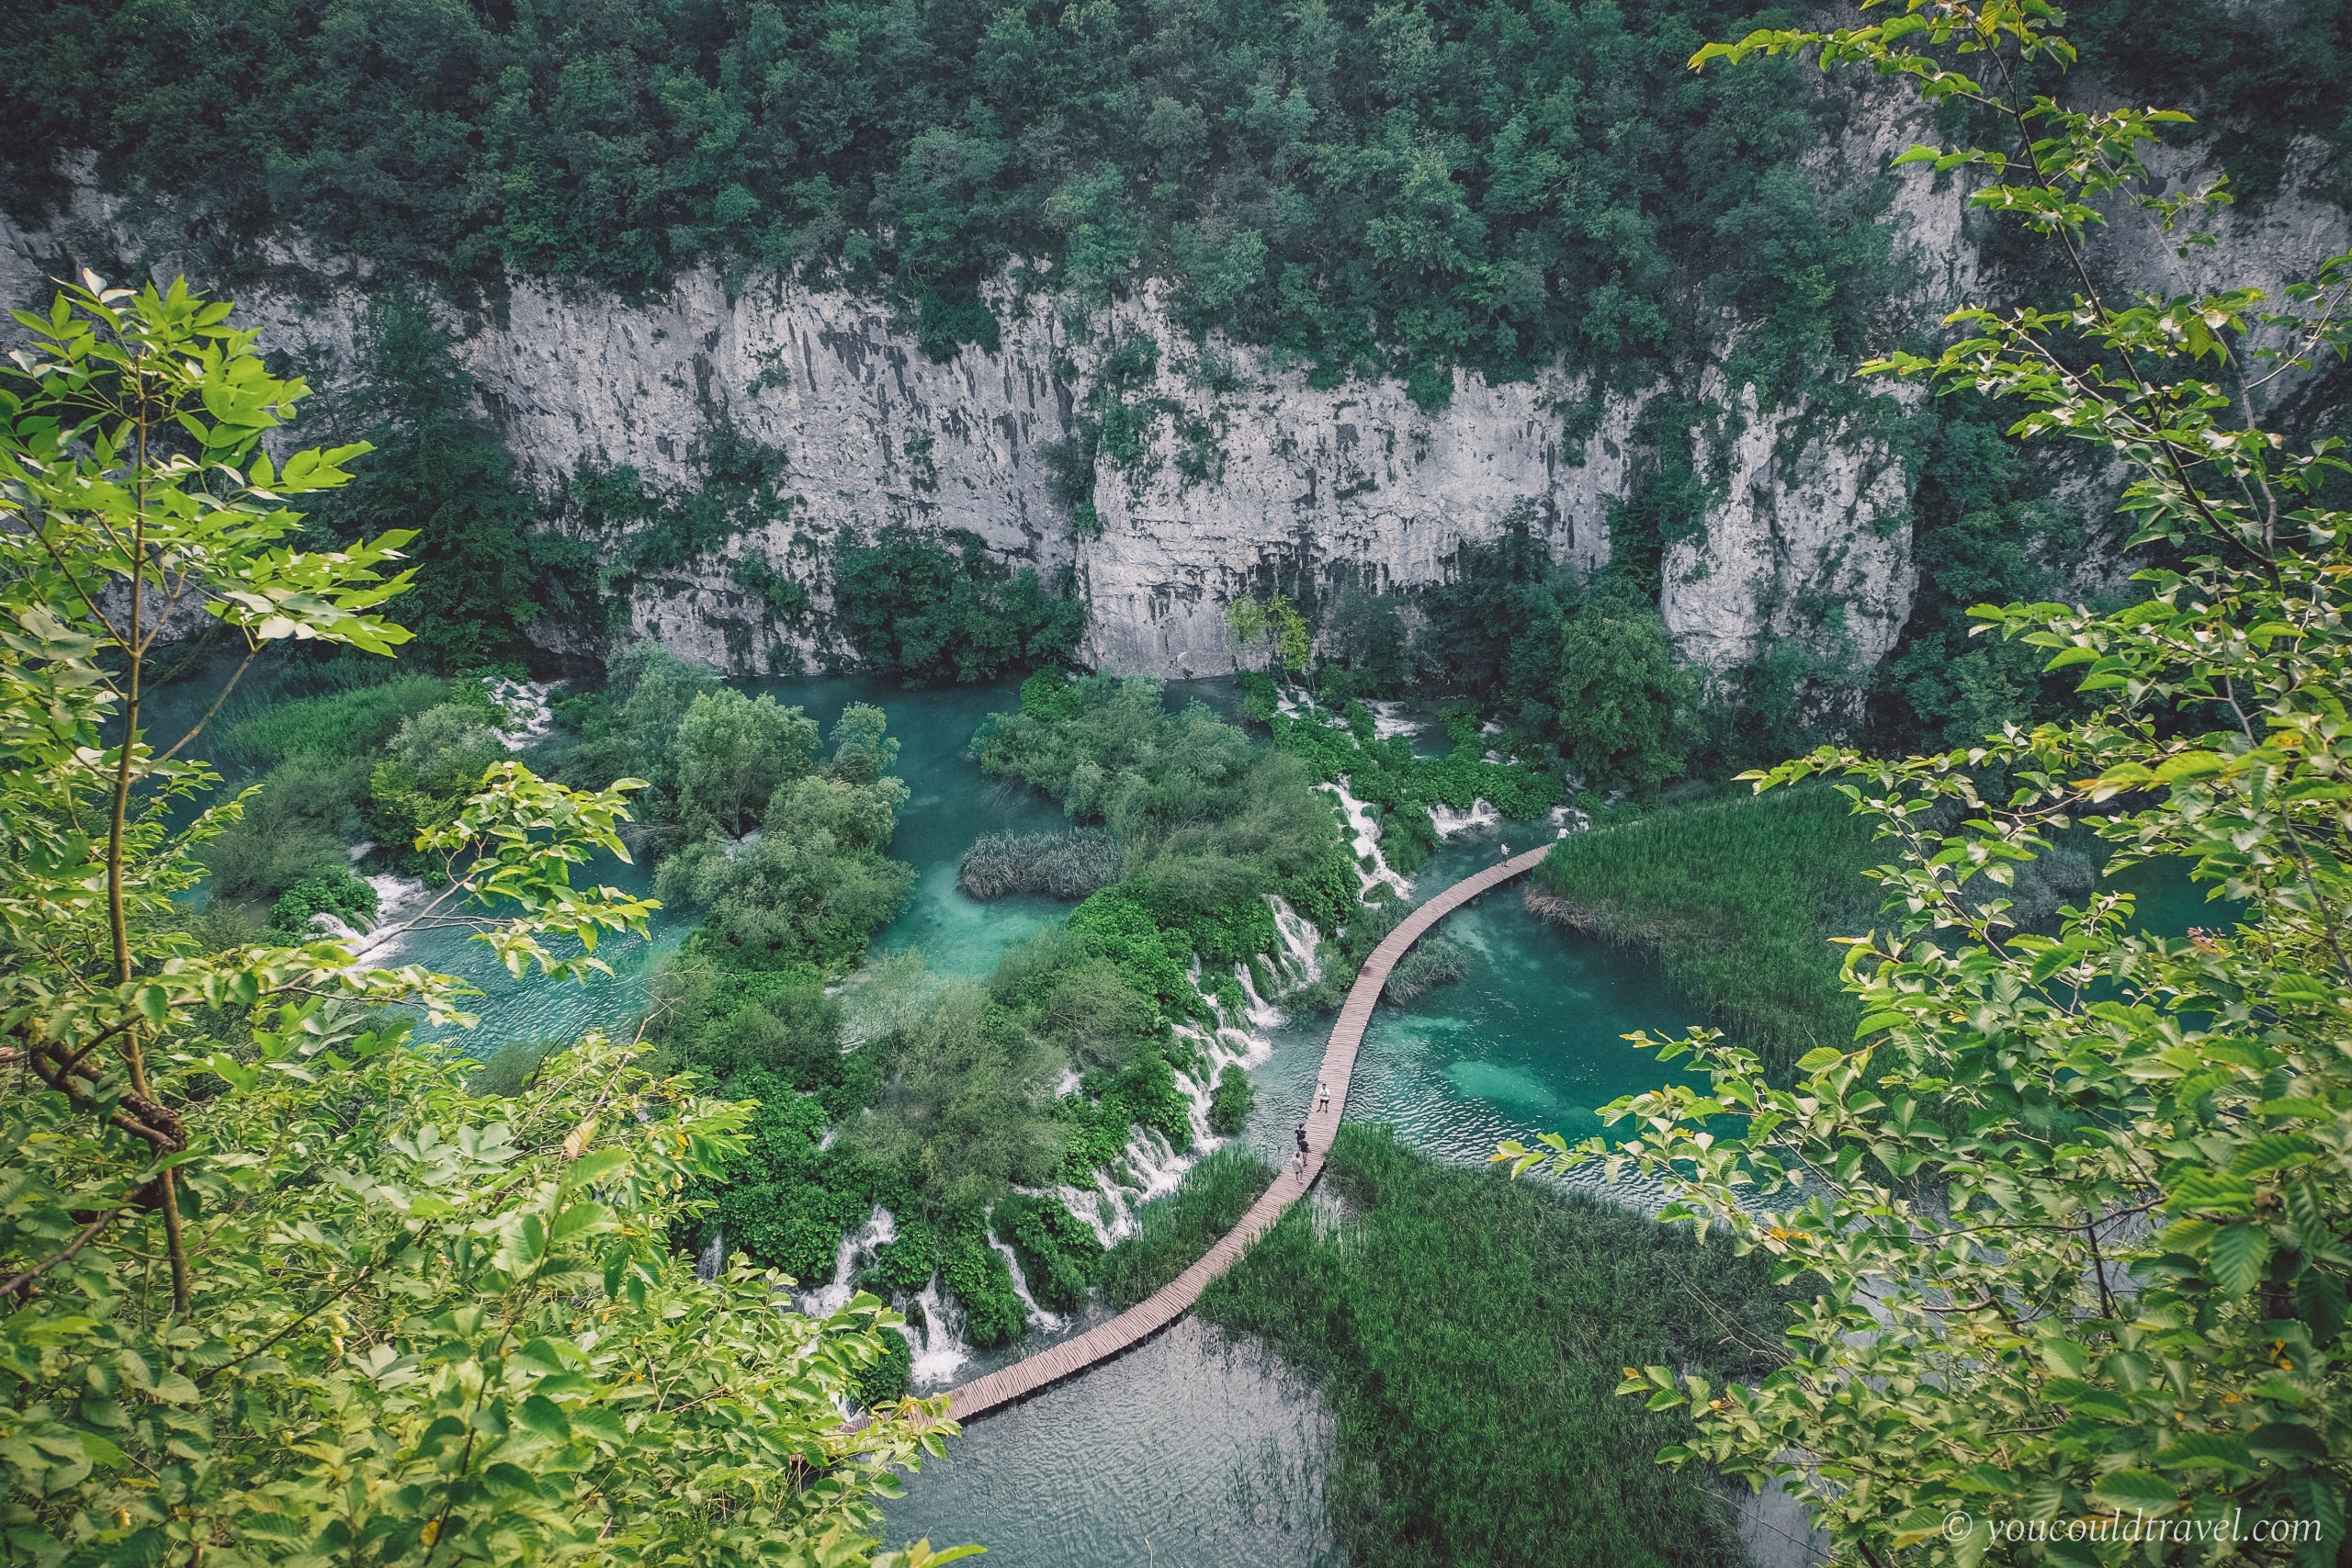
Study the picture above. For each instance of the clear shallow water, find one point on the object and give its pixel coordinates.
(1192, 1451)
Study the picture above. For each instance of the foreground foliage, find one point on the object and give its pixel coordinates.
(276, 1287)
(2078, 1201)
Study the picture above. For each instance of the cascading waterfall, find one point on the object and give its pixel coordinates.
(937, 1342)
(1195, 1093)
(713, 1260)
(1366, 844)
(527, 707)
(1448, 822)
(1153, 1163)
(1389, 720)
(1039, 1316)
(1301, 940)
(1261, 1014)
(825, 1301)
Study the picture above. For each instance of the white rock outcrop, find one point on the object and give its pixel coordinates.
(1240, 479)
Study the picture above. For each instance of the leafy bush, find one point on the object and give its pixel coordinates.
(892, 1373)
(725, 1023)
(733, 753)
(294, 825)
(446, 748)
(975, 1275)
(816, 884)
(906, 1263)
(1231, 1102)
(336, 893)
(1058, 1253)
(911, 607)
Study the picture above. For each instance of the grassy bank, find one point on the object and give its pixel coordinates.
(1170, 1236)
(1469, 1333)
(1740, 900)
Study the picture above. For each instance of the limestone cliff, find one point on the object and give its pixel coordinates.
(1242, 473)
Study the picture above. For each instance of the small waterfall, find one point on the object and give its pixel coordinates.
(1366, 845)
(1449, 822)
(395, 895)
(1388, 721)
(1261, 1012)
(1300, 940)
(938, 1344)
(1242, 1049)
(713, 1261)
(827, 1300)
(1085, 1205)
(1154, 1163)
(1122, 1219)
(1046, 1320)
(1196, 1104)
(530, 715)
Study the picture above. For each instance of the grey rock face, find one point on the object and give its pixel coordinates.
(1237, 481)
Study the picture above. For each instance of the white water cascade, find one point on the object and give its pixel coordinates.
(1261, 1014)
(530, 716)
(1049, 1321)
(1300, 941)
(1365, 844)
(1389, 720)
(713, 1261)
(1448, 822)
(937, 1343)
(826, 1300)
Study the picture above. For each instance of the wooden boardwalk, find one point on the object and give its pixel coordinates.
(1171, 1300)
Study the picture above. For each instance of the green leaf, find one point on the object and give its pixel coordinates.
(2126, 1490)
(544, 1415)
(2238, 1253)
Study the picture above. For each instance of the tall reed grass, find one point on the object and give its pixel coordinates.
(1067, 864)
(1470, 1333)
(1172, 1234)
(1739, 899)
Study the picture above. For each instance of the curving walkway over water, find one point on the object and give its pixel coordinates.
(1172, 1300)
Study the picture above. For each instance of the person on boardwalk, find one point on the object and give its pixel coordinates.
(1298, 1161)
(1322, 1098)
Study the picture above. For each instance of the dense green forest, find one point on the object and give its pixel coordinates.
(1404, 187)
